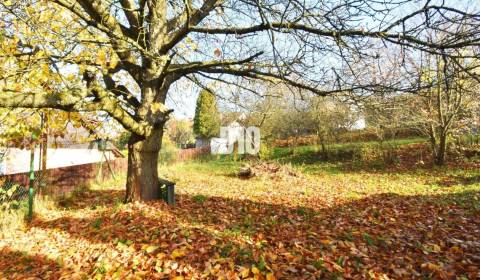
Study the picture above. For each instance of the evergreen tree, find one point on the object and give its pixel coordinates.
(206, 123)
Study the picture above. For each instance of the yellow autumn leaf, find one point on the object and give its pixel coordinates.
(178, 278)
(45, 69)
(157, 107)
(273, 257)
(178, 253)
(325, 241)
(455, 250)
(245, 272)
(255, 270)
(436, 248)
(430, 266)
(150, 249)
(102, 57)
(270, 276)
(113, 61)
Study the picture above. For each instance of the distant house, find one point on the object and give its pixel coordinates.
(231, 125)
(75, 148)
(202, 142)
(220, 145)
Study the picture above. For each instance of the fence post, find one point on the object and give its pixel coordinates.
(31, 180)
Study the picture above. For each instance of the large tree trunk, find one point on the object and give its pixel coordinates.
(142, 174)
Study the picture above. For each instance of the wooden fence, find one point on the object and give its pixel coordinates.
(187, 154)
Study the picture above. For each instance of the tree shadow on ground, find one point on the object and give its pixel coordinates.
(22, 265)
(400, 236)
(86, 198)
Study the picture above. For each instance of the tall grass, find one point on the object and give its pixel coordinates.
(15, 218)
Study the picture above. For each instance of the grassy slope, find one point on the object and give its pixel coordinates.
(211, 177)
(305, 150)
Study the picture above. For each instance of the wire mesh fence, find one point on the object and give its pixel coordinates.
(57, 171)
(13, 194)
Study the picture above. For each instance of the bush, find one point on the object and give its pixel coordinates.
(377, 155)
(364, 135)
(389, 154)
(305, 140)
(266, 152)
(169, 151)
(347, 136)
(11, 195)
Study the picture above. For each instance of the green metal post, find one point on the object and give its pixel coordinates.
(32, 178)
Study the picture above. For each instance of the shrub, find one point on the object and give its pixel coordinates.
(305, 140)
(363, 153)
(266, 152)
(14, 218)
(169, 151)
(389, 154)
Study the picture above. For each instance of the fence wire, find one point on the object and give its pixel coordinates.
(14, 194)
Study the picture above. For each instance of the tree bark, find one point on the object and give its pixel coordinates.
(142, 174)
(441, 150)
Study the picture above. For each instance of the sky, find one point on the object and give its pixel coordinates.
(183, 95)
(182, 99)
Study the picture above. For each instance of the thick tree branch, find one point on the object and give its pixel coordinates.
(297, 83)
(131, 12)
(120, 43)
(101, 14)
(122, 91)
(191, 19)
(66, 100)
(192, 67)
(113, 107)
(286, 27)
(74, 100)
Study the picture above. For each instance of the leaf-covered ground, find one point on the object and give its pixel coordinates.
(322, 224)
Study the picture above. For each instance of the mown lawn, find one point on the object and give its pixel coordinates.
(305, 221)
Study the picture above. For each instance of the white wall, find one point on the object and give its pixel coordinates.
(218, 146)
(200, 142)
(18, 160)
